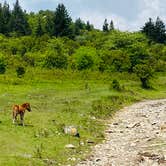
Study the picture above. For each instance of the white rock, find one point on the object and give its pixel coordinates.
(70, 146)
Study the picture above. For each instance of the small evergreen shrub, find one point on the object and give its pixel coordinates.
(2, 65)
(116, 85)
(20, 71)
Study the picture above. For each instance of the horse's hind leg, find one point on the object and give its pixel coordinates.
(22, 118)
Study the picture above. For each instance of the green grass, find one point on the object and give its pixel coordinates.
(61, 98)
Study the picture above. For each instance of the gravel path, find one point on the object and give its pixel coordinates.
(136, 136)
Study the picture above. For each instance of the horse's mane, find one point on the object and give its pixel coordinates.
(25, 104)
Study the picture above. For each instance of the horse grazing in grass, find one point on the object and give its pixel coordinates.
(20, 109)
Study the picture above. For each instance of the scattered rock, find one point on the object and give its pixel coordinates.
(90, 142)
(150, 139)
(162, 160)
(146, 154)
(156, 105)
(72, 159)
(163, 127)
(136, 125)
(155, 157)
(70, 146)
(145, 116)
(93, 117)
(97, 160)
(115, 124)
(109, 131)
(140, 159)
(82, 143)
(71, 130)
(133, 144)
(49, 161)
(133, 125)
(154, 123)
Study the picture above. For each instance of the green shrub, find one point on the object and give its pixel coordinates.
(55, 60)
(2, 65)
(145, 73)
(86, 58)
(56, 55)
(116, 85)
(20, 71)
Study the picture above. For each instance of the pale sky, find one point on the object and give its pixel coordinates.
(127, 15)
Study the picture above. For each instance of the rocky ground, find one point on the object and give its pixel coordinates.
(136, 136)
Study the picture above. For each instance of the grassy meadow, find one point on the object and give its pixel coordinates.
(58, 99)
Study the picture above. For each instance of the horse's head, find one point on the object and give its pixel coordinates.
(27, 106)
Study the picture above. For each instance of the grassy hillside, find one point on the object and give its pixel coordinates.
(58, 99)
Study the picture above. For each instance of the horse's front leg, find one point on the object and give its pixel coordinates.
(22, 118)
(14, 117)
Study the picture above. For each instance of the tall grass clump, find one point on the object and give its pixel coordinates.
(107, 106)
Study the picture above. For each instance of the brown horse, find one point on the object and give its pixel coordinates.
(20, 109)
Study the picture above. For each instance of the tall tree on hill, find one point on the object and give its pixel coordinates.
(111, 26)
(6, 14)
(88, 26)
(62, 22)
(18, 22)
(1, 18)
(78, 26)
(39, 30)
(160, 35)
(105, 26)
(49, 26)
(149, 29)
(155, 31)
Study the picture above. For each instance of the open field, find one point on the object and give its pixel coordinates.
(60, 99)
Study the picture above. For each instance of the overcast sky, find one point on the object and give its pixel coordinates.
(126, 14)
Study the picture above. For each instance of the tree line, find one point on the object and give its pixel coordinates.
(17, 22)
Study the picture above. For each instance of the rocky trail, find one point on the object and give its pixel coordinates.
(136, 136)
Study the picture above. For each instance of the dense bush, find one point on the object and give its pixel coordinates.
(56, 54)
(2, 65)
(86, 58)
(20, 71)
(145, 73)
(116, 85)
(54, 60)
